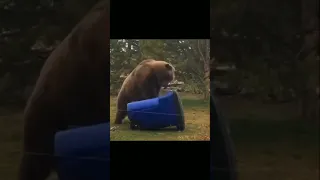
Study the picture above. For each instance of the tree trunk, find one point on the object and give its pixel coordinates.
(207, 68)
(309, 101)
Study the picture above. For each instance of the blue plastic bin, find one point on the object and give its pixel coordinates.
(157, 113)
(83, 153)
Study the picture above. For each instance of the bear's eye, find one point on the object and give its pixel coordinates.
(168, 66)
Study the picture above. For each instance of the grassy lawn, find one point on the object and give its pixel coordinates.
(10, 143)
(197, 119)
(270, 144)
(281, 150)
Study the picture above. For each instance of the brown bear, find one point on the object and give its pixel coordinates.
(144, 82)
(71, 90)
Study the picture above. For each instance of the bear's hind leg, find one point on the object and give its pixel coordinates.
(121, 114)
(35, 168)
(37, 161)
(121, 108)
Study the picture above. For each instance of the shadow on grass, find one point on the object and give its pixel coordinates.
(169, 129)
(126, 127)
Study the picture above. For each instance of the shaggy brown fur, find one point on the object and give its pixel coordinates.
(71, 90)
(144, 82)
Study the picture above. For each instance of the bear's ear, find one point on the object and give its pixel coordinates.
(168, 66)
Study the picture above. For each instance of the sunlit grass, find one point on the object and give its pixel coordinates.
(197, 119)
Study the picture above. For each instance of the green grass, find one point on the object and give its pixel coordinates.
(269, 146)
(11, 126)
(282, 150)
(270, 143)
(10, 143)
(197, 119)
